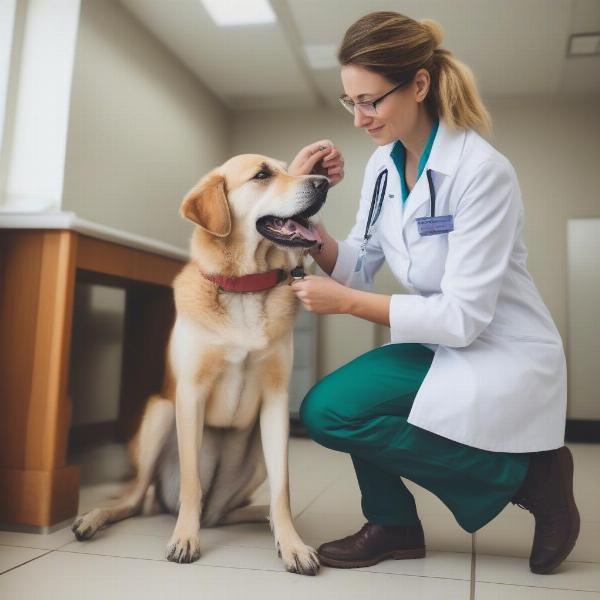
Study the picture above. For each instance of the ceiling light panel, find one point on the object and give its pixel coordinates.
(227, 13)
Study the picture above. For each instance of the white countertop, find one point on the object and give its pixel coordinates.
(69, 220)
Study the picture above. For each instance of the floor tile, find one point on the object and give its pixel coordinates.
(240, 560)
(36, 540)
(493, 591)
(103, 463)
(121, 541)
(94, 495)
(242, 545)
(156, 525)
(587, 548)
(76, 576)
(251, 546)
(506, 537)
(570, 575)
(450, 565)
(12, 556)
(442, 532)
(111, 542)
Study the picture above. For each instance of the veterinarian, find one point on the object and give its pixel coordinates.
(469, 398)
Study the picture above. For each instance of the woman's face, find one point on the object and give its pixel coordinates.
(396, 114)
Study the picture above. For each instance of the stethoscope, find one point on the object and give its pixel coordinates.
(375, 210)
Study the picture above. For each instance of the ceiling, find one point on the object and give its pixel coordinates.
(513, 47)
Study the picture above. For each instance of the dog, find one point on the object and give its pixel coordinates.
(220, 425)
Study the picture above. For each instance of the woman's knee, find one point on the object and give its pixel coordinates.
(316, 413)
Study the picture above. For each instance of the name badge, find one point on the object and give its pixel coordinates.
(435, 225)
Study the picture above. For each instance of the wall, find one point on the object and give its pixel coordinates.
(142, 128)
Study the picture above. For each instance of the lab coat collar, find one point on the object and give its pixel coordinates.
(446, 150)
(444, 157)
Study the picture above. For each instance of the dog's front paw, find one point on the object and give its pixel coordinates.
(183, 549)
(85, 526)
(299, 559)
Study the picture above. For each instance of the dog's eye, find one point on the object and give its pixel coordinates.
(262, 175)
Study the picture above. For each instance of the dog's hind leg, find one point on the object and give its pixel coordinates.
(157, 422)
(241, 470)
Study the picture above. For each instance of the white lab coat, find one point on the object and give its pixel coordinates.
(498, 377)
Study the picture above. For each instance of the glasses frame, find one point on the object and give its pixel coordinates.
(351, 108)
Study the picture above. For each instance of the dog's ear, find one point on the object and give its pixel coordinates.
(206, 205)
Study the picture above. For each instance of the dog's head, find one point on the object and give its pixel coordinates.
(255, 196)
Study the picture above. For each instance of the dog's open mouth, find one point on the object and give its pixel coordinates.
(291, 231)
(296, 230)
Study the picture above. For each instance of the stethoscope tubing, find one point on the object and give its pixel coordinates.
(379, 197)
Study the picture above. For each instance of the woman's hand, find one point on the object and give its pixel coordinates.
(320, 158)
(322, 295)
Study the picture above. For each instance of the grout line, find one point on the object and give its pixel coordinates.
(28, 547)
(473, 564)
(314, 499)
(27, 561)
(199, 563)
(540, 587)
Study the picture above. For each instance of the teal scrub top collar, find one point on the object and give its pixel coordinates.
(398, 155)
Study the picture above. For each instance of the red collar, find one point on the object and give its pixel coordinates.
(254, 282)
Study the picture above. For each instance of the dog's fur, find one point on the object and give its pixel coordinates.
(221, 422)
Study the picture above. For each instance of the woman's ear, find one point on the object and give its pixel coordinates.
(206, 205)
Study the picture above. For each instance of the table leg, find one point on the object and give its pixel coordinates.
(149, 317)
(38, 490)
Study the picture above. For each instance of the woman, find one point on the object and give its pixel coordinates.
(469, 398)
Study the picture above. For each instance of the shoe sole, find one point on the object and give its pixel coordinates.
(395, 554)
(566, 459)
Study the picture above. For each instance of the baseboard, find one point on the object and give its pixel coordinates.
(581, 430)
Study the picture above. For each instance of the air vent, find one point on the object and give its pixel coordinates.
(584, 44)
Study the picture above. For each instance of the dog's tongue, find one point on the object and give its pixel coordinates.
(290, 226)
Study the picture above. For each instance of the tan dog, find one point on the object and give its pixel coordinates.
(229, 361)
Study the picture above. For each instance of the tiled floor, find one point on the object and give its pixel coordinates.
(126, 560)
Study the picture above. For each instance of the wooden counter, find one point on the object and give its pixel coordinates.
(41, 257)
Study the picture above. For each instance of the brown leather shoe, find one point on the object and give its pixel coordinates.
(372, 544)
(547, 493)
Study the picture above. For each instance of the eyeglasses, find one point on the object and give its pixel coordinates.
(368, 108)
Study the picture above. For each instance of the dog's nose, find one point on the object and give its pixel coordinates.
(320, 183)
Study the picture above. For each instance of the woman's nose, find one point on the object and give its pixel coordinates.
(361, 120)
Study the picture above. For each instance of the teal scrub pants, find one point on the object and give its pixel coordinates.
(362, 409)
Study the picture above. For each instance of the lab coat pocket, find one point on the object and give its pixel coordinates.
(427, 260)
